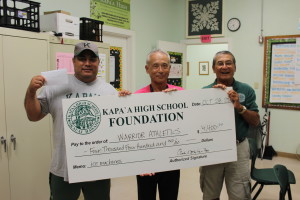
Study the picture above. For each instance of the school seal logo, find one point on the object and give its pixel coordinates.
(83, 117)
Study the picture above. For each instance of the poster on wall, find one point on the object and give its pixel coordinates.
(116, 67)
(175, 76)
(112, 12)
(64, 61)
(297, 62)
(282, 79)
(204, 18)
(102, 66)
(281, 62)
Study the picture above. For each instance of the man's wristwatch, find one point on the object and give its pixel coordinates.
(243, 110)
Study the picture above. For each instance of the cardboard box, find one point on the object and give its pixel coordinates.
(57, 11)
(61, 23)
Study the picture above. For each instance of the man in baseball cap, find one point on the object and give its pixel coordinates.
(82, 46)
(86, 61)
(84, 83)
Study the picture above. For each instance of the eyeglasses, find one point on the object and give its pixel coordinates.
(164, 66)
(227, 63)
(84, 59)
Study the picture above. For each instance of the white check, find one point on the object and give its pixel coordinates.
(111, 136)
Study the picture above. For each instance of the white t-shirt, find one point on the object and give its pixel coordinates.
(51, 102)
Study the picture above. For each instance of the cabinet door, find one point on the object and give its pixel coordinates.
(4, 180)
(29, 158)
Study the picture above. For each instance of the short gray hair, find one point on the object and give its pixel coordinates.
(221, 53)
(157, 51)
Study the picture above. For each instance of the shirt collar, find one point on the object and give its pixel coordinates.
(152, 90)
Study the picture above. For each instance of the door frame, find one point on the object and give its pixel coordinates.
(129, 35)
(214, 41)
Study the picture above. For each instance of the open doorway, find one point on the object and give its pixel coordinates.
(122, 41)
(199, 58)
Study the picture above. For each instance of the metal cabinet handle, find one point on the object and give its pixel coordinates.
(13, 139)
(3, 142)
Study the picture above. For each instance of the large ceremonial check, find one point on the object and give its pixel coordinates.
(111, 136)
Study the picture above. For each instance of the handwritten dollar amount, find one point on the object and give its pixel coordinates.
(207, 128)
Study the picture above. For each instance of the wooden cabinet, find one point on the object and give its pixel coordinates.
(24, 164)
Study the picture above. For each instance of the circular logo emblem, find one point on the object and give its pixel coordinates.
(83, 117)
(242, 97)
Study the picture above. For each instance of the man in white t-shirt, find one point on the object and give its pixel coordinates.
(84, 83)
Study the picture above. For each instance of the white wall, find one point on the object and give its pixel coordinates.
(78, 8)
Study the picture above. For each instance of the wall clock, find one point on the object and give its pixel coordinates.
(233, 24)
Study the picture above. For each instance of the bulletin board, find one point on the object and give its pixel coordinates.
(281, 88)
(175, 76)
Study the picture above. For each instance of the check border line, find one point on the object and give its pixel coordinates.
(139, 149)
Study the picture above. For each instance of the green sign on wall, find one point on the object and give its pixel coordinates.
(112, 12)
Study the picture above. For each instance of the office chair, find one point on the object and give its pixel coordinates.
(264, 176)
(282, 175)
